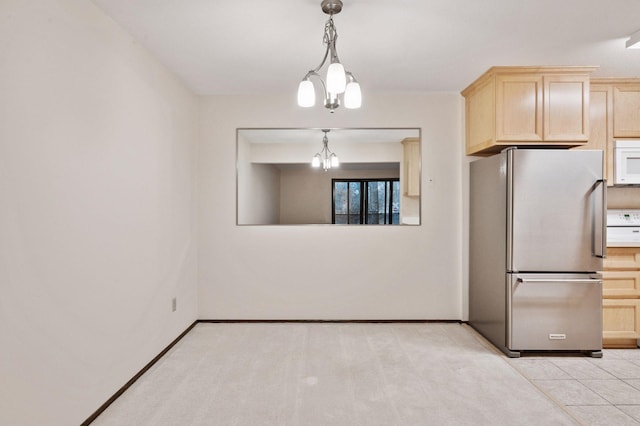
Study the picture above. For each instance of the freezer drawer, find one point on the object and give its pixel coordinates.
(554, 312)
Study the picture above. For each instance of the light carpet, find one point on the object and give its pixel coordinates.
(333, 374)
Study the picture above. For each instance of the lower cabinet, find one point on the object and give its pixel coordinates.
(621, 323)
(621, 298)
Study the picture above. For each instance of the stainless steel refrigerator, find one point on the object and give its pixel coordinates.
(537, 239)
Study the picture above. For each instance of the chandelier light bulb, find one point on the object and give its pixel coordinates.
(315, 162)
(306, 94)
(336, 78)
(353, 95)
(334, 161)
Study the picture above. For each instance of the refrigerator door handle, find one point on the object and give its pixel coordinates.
(538, 280)
(599, 248)
(509, 183)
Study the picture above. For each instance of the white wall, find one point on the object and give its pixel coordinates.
(243, 181)
(305, 193)
(258, 188)
(283, 153)
(271, 272)
(265, 194)
(97, 210)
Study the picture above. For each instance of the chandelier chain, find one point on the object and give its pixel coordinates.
(330, 32)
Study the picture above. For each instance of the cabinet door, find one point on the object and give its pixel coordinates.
(621, 284)
(566, 108)
(411, 167)
(620, 318)
(600, 127)
(519, 108)
(626, 111)
(622, 258)
(480, 109)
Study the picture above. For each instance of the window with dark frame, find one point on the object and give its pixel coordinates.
(365, 201)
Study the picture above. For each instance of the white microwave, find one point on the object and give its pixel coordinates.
(627, 162)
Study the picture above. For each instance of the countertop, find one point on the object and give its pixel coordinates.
(624, 244)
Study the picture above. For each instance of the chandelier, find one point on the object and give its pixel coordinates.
(326, 158)
(339, 83)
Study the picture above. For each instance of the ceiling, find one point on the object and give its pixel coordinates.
(258, 46)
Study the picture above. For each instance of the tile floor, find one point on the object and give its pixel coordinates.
(372, 374)
(603, 391)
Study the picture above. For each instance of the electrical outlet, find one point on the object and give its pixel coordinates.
(174, 304)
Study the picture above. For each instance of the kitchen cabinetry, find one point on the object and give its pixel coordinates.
(621, 297)
(626, 109)
(523, 106)
(411, 177)
(601, 126)
(614, 114)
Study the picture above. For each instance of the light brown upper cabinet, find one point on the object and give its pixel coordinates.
(411, 148)
(614, 114)
(521, 106)
(600, 125)
(626, 109)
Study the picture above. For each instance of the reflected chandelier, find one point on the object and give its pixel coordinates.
(326, 158)
(339, 83)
